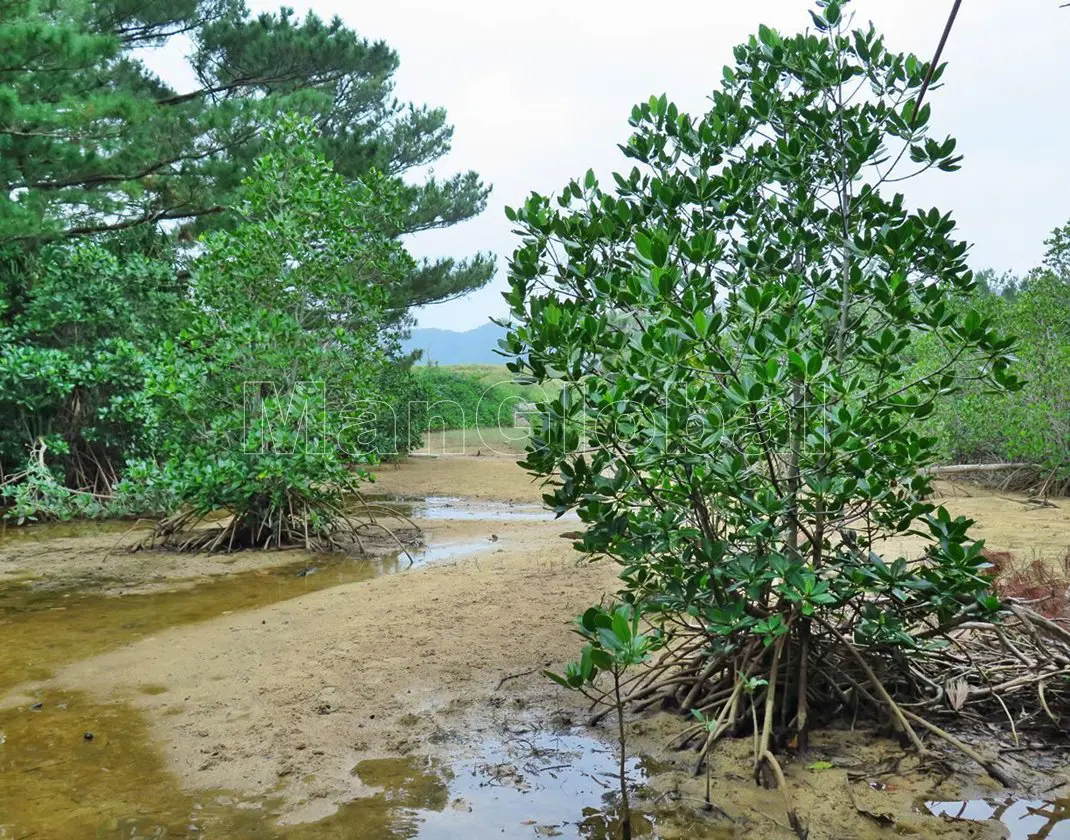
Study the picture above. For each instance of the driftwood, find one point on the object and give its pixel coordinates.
(957, 469)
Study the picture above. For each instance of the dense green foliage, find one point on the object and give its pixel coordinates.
(1031, 425)
(471, 396)
(74, 353)
(730, 326)
(111, 177)
(394, 421)
(93, 141)
(499, 375)
(250, 395)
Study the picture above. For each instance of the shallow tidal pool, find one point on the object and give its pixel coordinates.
(72, 768)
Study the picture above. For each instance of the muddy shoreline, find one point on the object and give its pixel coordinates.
(270, 694)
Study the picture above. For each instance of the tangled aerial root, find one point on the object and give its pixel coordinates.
(1016, 669)
(313, 526)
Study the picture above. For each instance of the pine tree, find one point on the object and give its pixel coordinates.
(93, 142)
(108, 173)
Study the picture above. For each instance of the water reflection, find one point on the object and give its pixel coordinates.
(57, 784)
(1025, 819)
(43, 532)
(527, 785)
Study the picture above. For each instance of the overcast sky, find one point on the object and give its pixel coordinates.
(539, 91)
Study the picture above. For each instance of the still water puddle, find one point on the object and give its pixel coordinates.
(56, 782)
(75, 767)
(1025, 819)
(447, 551)
(455, 508)
(535, 785)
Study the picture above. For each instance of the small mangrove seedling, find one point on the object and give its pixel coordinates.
(751, 686)
(614, 644)
(710, 726)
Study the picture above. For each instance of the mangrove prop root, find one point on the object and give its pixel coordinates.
(728, 710)
(1012, 671)
(770, 761)
(317, 526)
(765, 759)
(770, 706)
(990, 765)
(802, 702)
(879, 688)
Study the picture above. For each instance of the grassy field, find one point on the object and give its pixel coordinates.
(499, 376)
(477, 396)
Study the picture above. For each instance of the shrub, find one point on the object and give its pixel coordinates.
(730, 325)
(75, 345)
(399, 416)
(264, 394)
(1031, 425)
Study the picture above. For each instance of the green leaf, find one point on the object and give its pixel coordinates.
(659, 250)
(701, 322)
(643, 245)
(610, 641)
(557, 678)
(767, 36)
(621, 627)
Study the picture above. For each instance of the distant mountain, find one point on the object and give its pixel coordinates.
(446, 347)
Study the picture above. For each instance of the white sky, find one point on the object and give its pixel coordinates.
(540, 90)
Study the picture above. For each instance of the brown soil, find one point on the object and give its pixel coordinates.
(286, 698)
(493, 477)
(315, 684)
(1006, 522)
(60, 556)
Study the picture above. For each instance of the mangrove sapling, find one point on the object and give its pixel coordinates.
(263, 395)
(730, 328)
(711, 726)
(614, 644)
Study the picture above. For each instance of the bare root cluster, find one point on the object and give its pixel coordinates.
(1015, 670)
(1040, 583)
(318, 526)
